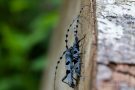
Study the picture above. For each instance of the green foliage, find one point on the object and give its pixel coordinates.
(25, 31)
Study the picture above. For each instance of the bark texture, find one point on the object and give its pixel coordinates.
(116, 45)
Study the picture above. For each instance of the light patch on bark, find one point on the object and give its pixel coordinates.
(116, 45)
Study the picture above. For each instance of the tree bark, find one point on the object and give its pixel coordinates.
(116, 56)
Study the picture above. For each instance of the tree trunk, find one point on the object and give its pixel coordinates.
(116, 45)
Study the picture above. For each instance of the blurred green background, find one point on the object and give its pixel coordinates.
(25, 32)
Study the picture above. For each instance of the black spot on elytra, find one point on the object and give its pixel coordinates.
(75, 52)
(75, 31)
(75, 61)
(67, 72)
(67, 63)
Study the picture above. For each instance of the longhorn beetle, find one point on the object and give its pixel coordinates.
(73, 62)
(68, 79)
(72, 57)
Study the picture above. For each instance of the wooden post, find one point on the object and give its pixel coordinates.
(90, 45)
